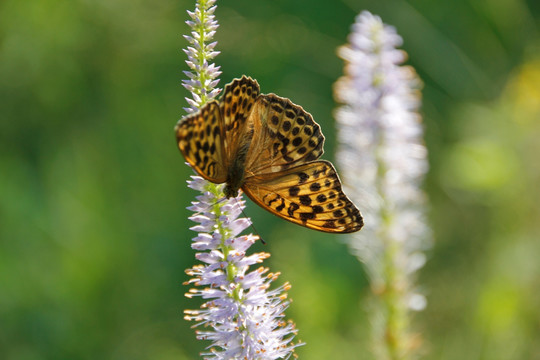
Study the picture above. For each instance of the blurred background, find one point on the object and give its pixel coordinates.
(94, 235)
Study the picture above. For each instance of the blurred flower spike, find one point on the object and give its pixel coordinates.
(383, 161)
(242, 318)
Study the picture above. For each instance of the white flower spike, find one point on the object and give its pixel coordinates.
(243, 319)
(383, 162)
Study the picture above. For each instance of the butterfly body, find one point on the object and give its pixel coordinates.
(268, 147)
(235, 178)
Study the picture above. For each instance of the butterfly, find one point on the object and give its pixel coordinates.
(268, 147)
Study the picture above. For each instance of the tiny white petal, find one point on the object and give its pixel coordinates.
(417, 302)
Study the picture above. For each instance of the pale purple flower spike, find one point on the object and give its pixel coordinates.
(203, 77)
(381, 153)
(244, 319)
(383, 161)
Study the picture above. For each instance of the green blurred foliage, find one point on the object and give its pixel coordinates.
(94, 235)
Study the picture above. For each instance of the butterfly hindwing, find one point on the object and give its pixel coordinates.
(309, 195)
(200, 139)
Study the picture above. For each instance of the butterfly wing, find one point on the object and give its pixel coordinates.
(200, 139)
(285, 136)
(309, 195)
(236, 105)
(210, 138)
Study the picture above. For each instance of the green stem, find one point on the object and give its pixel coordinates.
(231, 271)
(394, 336)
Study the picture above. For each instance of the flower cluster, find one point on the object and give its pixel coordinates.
(202, 79)
(383, 162)
(244, 318)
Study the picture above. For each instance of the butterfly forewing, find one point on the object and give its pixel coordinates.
(236, 106)
(309, 195)
(285, 134)
(200, 139)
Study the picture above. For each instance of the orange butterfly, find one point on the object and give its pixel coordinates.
(268, 147)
